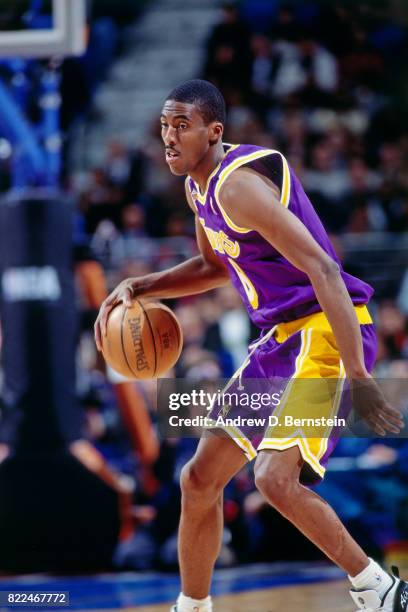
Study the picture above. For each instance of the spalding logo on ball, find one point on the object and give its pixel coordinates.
(143, 341)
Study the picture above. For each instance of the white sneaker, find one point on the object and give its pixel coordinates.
(394, 600)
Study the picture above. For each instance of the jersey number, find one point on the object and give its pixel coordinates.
(246, 283)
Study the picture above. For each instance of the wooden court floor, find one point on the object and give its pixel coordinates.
(324, 597)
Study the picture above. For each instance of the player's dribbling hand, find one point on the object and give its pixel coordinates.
(124, 292)
(370, 403)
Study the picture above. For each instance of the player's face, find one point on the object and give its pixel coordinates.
(185, 136)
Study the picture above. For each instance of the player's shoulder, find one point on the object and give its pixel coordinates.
(251, 159)
(239, 184)
(252, 168)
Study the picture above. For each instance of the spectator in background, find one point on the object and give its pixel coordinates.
(285, 26)
(361, 63)
(117, 164)
(392, 328)
(133, 221)
(308, 70)
(335, 26)
(125, 169)
(264, 66)
(228, 63)
(362, 213)
(327, 185)
(391, 202)
(293, 133)
(95, 391)
(133, 243)
(178, 244)
(391, 164)
(176, 226)
(192, 323)
(100, 201)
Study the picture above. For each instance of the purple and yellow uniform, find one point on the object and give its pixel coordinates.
(296, 339)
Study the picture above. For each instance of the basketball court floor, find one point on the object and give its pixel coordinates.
(308, 598)
(286, 587)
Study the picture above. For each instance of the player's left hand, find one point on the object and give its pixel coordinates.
(370, 403)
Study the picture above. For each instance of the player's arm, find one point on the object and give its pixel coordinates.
(196, 275)
(279, 226)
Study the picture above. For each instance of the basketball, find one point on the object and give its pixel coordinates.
(143, 341)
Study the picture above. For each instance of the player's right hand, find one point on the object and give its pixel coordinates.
(124, 292)
(370, 403)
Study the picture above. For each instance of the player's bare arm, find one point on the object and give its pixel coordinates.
(292, 239)
(196, 275)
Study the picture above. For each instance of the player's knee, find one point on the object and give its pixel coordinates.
(197, 485)
(277, 488)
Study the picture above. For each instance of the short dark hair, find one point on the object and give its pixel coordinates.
(204, 95)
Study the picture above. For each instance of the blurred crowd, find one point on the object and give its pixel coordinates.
(319, 81)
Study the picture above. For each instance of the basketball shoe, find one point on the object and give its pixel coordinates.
(394, 600)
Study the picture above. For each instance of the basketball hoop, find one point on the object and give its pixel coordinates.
(66, 37)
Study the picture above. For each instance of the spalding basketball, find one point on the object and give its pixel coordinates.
(143, 341)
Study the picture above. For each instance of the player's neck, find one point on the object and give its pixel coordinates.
(207, 165)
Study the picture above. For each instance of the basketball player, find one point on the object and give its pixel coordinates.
(257, 229)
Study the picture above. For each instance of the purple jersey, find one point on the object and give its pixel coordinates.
(272, 289)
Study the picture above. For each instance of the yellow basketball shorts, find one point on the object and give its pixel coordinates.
(301, 357)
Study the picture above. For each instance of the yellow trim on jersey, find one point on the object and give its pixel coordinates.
(285, 192)
(194, 204)
(318, 320)
(202, 197)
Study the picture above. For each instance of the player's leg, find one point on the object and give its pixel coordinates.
(277, 476)
(216, 461)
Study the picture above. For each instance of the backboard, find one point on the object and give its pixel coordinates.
(65, 36)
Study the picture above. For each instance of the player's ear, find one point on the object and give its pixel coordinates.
(216, 130)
